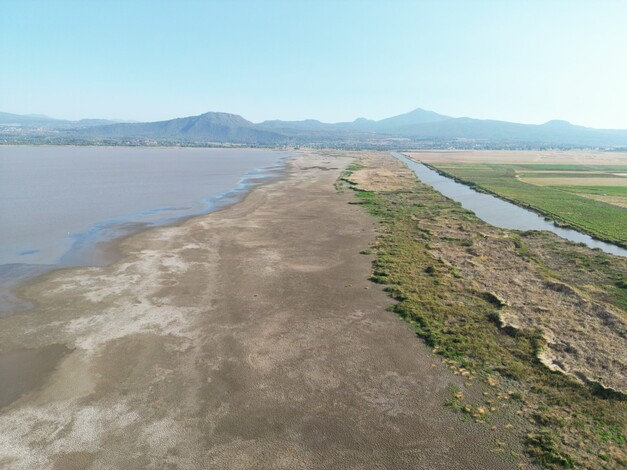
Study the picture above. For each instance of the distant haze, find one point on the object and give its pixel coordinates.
(150, 60)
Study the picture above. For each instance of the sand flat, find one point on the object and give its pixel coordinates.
(247, 338)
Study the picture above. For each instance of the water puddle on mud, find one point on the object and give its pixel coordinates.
(27, 369)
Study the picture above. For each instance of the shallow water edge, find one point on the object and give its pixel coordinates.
(99, 246)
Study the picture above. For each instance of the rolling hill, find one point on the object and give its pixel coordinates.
(208, 127)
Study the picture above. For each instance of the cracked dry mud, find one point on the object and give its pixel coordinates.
(247, 338)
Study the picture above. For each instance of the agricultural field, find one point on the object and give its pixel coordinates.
(589, 198)
(561, 158)
(608, 184)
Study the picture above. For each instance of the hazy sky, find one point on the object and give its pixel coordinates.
(525, 61)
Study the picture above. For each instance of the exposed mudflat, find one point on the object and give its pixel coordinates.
(247, 338)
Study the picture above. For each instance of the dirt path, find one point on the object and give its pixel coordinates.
(248, 338)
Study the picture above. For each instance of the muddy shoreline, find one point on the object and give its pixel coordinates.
(24, 370)
(14, 277)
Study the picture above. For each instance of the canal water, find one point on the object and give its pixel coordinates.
(498, 212)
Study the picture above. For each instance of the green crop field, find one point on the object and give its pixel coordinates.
(584, 168)
(567, 200)
(601, 190)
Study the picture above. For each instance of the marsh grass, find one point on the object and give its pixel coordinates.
(572, 424)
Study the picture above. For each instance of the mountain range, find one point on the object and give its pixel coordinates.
(416, 128)
(45, 122)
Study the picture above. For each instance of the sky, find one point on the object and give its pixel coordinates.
(147, 60)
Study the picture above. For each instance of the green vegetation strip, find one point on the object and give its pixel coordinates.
(565, 424)
(600, 220)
